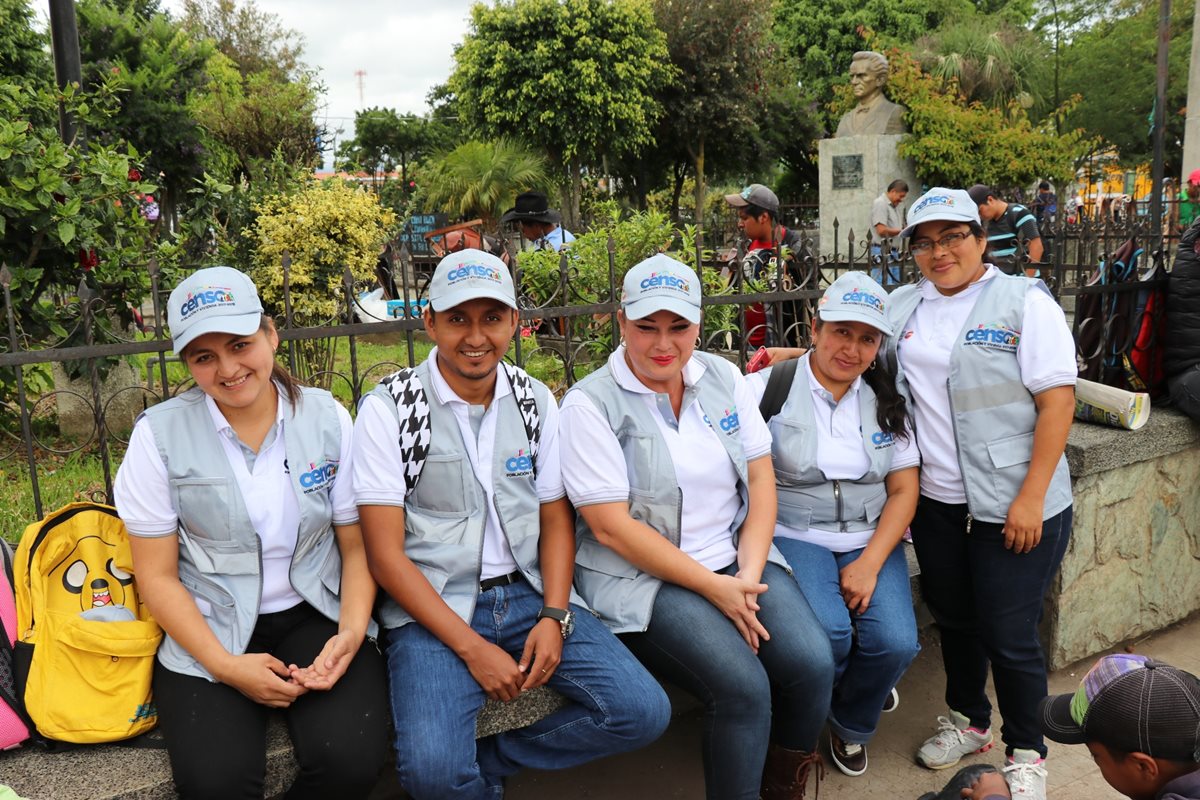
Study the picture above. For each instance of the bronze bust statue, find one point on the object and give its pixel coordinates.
(874, 114)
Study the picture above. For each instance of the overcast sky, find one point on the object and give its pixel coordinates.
(404, 46)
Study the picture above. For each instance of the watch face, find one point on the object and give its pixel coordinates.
(568, 624)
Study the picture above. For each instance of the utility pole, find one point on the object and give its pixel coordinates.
(64, 41)
(360, 74)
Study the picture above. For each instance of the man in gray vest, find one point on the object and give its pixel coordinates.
(455, 470)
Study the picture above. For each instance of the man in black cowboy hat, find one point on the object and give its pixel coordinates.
(539, 222)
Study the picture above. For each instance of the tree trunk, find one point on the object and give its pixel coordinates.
(576, 192)
(679, 170)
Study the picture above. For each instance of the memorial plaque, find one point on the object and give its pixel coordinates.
(848, 172)
(415, 229)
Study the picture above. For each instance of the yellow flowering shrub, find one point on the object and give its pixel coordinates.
(326, 228)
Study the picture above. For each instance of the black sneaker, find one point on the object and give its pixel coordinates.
(850, 758)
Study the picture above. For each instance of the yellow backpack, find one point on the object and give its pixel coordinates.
(85, 642)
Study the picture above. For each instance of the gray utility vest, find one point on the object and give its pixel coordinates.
(220, 555)
(993, 413)
(620, 593)
(806, 497)
(446, 512)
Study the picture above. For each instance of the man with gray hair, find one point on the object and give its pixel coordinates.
(874, 114)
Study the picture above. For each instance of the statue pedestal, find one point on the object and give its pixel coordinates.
(854, 171)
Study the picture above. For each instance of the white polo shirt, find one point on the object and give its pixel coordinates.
(841, 454)
(143, 495)
(594, 469)
(378, 467)
(1045, 353)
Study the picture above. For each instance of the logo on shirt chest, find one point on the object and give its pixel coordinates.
(519, 465)
(882, 439)
(994, 337)
(729, 422)
(317, 476)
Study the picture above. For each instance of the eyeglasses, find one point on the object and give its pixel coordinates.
(947, 242)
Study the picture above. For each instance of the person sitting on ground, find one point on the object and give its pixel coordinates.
(668, 463)
(1008, 224)
(255, 571)
(846, 474)
(540, 228)
(1140, 720)
(468, 531)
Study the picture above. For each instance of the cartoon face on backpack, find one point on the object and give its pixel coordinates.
(92, 582)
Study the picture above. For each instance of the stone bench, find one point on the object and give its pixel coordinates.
(112, 771)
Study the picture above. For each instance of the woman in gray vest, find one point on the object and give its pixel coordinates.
(667, 461)
(846, 475)
(248, 552)
(989, 365)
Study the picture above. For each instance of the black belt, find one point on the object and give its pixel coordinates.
(500, 580)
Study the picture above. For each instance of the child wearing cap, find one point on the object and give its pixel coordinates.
(247, 550)
(846, 474)
(668, 463)
(989, 365)
(1139, 718)
(475, 555)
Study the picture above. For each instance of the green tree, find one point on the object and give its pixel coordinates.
(255, 40)
(575, 77)
(1119, 53)
(24, 52)
(162, 67)
(481, 179)
(822, 35)
(384, 140)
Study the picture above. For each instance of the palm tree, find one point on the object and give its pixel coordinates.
(481, 179)
(991, 60)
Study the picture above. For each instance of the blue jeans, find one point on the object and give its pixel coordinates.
(692, 644)
(893, 265)
(617, 706)
(987, 603)
(870, 650)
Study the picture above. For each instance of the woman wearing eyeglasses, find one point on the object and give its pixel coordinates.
(989, 364)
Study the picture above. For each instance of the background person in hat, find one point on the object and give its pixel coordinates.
(1008, 226)
(668, 463)
(539, 223)
(843, 432)
(1140, 720)
(476, 559)
(248, 552)
(758, 220)
(989, 365)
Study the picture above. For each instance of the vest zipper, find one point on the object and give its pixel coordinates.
(958, 453)
(837, 498)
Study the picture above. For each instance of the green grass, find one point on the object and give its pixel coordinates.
(80, 476)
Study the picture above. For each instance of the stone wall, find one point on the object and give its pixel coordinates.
(1133, 565)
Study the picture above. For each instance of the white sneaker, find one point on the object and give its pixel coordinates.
(1026, 775)
(891, 701)
(955, 738)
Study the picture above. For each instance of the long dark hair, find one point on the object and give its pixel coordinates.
(891, 410)
(279, 373)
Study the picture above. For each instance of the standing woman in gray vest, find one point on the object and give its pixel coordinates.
(668, 462)
(248, 552)
(846, 474)
(990, 367)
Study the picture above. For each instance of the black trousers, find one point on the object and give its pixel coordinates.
(987, 603)
(216, 736)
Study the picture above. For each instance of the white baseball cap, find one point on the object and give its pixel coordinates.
(953, 205)
(856, 297)
(213, 300)
(660, 283)
(469, 275)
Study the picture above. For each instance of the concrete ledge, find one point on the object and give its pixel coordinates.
(1098, 448)
(122, 772)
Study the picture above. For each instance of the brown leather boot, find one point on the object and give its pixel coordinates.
(786, 774)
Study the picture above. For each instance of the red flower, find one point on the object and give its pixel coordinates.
(88, 260)
(134, 175)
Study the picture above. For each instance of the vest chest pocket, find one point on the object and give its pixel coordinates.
(216, 606)
(789, 444)
(1010, 459)
(445, 488)
(641, 461)
(205, 506)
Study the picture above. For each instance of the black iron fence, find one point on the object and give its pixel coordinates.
(568, 330)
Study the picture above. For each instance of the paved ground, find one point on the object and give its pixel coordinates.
(671, 767)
